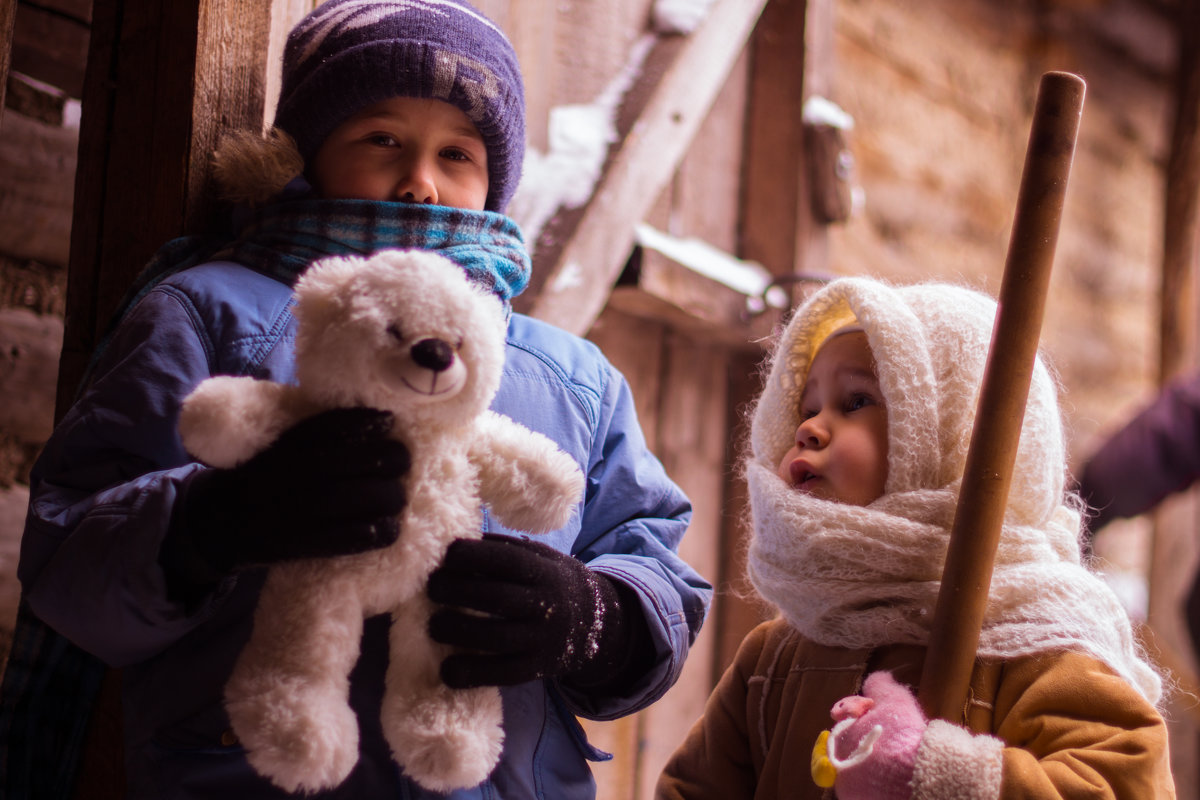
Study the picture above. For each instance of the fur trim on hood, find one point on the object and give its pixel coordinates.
(250, 168)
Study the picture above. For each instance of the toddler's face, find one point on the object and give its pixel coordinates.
(840, 451)
(405, 149)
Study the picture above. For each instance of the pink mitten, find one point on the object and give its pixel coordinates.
(874, 743)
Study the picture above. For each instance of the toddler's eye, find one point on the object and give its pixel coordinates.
(454, 154)
(382, 140)
(857, 401)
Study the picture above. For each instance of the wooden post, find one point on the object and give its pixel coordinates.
(774, 206)
(979, 516)
(8, 15)
(1181, 214)
(163, 80)
(790, 59)
(1174, 525)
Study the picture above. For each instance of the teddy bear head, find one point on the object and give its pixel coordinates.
(401, 331)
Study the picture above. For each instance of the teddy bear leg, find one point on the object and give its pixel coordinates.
(288, 696)
(443, 738)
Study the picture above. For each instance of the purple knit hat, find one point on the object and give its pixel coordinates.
(350, 54)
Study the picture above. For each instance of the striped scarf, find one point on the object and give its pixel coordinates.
(280, 240)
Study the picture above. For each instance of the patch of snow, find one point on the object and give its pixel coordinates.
(569, 277)
(578, 140)
(679, 16)
(747, 277)
(821, 111)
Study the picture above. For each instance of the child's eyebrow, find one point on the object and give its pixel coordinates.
(389, 116)
(857, 372)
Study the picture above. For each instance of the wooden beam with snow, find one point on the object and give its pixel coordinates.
(574, 286)
(697, 288)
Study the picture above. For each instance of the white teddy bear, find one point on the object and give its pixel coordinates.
(405, 332)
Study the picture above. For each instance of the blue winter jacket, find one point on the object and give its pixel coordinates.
(101, 500)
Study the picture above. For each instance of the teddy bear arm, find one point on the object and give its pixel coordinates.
(228, 419)
(528, 483)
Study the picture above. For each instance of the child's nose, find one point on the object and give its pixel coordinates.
(812, 432)
(416, 185)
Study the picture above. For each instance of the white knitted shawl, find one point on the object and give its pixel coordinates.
(860, 577)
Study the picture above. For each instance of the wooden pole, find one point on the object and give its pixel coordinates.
(979, 517)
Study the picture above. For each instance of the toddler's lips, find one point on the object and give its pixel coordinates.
(802, 474)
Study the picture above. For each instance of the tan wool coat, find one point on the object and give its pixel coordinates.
(1070, 726)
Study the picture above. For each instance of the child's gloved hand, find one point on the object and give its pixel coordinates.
(874, 744)
(330, 485)
(518, 610)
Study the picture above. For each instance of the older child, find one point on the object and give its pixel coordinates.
(408, 123)
(858, 447)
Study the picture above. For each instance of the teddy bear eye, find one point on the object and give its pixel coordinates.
(394, 331)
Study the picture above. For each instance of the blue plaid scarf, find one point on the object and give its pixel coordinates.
(282, 239)
(50, 686)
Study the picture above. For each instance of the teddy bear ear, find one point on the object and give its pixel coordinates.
(321, 288)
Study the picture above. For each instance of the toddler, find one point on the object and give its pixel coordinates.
(859, 442)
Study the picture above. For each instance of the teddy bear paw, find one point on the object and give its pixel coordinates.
(444, 748)
(457, 760)
(298, 747)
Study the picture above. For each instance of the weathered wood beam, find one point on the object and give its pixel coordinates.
(791, 56)
(1165, 642)
(163, 80)
(576, 282)
(8, 15)
(37, 165)
(1181, 216)
(50, 43)
(693, 287)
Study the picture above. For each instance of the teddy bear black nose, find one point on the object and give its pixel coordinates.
(433, 354)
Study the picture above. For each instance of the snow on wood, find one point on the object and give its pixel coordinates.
(582, 273)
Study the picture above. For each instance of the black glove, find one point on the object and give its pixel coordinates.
(518, 610)
(330, 485)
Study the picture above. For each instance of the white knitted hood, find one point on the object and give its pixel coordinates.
(857, 576)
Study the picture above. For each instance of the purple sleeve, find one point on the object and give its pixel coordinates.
(1156, 454)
